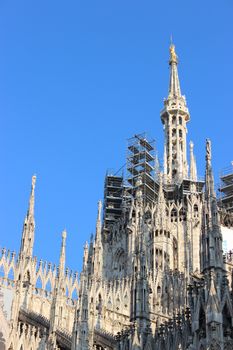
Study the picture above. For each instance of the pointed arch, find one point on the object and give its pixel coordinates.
(148, 216)
(195, 208)
(2, 271)
(182, 214)
(174, 215)
(11, 274)
(148, 346)
(39, 282)
(74, 294)
(226, 318)
(202, 319)
(215, 346)
(48, 286)
(228, 345)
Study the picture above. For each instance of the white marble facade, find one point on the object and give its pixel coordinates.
(153, 276)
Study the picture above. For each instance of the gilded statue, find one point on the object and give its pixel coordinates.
(173, 55)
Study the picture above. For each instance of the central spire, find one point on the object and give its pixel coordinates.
(175, 116)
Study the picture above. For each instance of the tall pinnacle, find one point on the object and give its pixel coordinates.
(193, 167)
(174, 86)
(27, 240)
(62, 254)
(32, 198)
(175, 116)
(56, 313)
(99, 211)
(212, 236)
(98, 223)
(209, 179)
(161, 204)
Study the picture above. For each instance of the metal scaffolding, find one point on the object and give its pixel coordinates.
(226, 189)
(141, 163)
(113, 197)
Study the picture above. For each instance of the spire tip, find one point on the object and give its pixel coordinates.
(33, 180)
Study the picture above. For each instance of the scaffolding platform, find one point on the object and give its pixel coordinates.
(141, 162)
(113, 197)
(226, 189)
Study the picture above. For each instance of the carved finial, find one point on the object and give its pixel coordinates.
(208, 150)
(32, 199)
(62, 254)
(209, 178)
(33, 181)
(64, 235)
(85, 255)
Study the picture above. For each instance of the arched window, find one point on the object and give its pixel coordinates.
(182, 214)
(174, 215)
(148, 217)
(195, 210)
(174, 172)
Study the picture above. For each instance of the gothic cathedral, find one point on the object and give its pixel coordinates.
(154, 276)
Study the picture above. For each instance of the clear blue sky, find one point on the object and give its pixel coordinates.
(77, 78)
